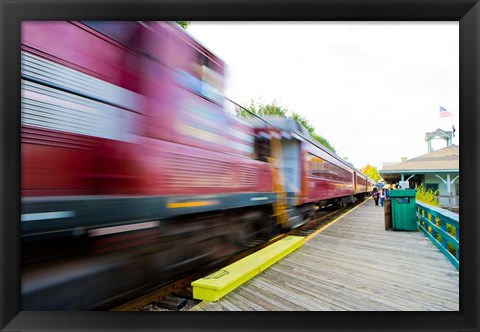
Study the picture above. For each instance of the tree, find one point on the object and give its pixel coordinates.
(402, 159)
(273, 108)
(183, 24)
(371, 172)
(323, 141)
(261, 109)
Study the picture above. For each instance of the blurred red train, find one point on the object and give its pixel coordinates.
(128, 153)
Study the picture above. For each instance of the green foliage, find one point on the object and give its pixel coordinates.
(426, 196)
(430, 197)
(183, 24)
(274, 109)
(450, 230)
(371, 172)
(261, 109)
(323, 141)
(303, 121)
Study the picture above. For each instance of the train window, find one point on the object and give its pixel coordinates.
(323, 169)
(262, 148)
(203, 77)
(211, 84)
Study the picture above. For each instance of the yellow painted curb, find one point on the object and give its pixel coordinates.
(223, 281)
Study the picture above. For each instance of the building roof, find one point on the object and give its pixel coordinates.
(438, 133)
(446, 159)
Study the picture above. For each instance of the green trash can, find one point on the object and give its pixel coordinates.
(403, 210)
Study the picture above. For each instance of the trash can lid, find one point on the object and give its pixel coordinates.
(403, 193)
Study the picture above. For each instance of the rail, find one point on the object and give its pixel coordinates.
(442, 227)
(451, 202)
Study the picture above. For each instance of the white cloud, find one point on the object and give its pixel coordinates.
(352, 81)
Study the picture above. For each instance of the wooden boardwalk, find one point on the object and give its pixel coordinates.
(352, 265)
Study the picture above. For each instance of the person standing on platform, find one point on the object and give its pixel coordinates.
(382, 197)
(375, 196)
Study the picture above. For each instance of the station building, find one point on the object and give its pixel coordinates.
(436, 170)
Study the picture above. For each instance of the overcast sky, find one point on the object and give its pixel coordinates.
(372, 89)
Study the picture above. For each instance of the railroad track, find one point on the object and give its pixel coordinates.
(177, 296)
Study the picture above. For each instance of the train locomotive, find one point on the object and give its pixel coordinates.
(134, 174)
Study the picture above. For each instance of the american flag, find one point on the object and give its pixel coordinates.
(444, 113)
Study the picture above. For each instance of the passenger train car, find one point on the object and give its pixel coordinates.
(133, 173)
(311, 176)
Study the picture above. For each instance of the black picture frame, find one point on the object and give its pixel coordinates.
(467, 12)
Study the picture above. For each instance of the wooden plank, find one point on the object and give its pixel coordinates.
(352, 295)
(347, 281)
(354, 265)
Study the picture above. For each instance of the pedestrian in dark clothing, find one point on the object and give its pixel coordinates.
(376, 196)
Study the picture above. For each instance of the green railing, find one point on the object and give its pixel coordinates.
(442, 227)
